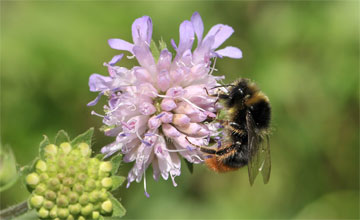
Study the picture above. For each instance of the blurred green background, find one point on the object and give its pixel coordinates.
(303, 55)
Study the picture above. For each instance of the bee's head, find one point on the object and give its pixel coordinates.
(239, 91)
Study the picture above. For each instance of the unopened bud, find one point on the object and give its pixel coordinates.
(106, 182)
(43, 213)
(95, 215)
(50, 195)
(40, 189)
(94, 196)
(70, 217)
(54, 183)
(62, 201)
(73, 197)
(65, 190)
(40, 166)
(103, 195)
(81, 177)
(44, 177)
(85, 149)
(65, 147)
(68, 181)
(60, 176)
(48, 204)
(87, 210)
(36, 201)
(75, 209)
(32, 179)
(78, 188)
(94, 162)
(105, 166)
(84, 199)
(53, 212)
(51, 149)
(62, 212)
(90, 185)
(81, 218)
(106, 206)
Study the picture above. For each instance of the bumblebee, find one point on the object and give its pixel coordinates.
(248, 115)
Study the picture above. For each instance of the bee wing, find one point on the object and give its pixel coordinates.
(266, 164)
(259, 152)
(253, 149)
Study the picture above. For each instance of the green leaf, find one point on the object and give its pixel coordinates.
(190, 166)
(29, 215)
(118, 209)
(85, 137)
(155, 50)
(43, 144)
(61, 137)
(99, 156)
(116, 161)
(162, 45)
(117, 181)
(8, 168)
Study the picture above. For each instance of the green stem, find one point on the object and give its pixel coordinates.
(14, 210)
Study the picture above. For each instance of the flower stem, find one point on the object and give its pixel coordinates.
(14, 210)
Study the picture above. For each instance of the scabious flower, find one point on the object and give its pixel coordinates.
(156, 107)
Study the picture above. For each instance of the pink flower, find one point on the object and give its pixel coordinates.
(155, 107)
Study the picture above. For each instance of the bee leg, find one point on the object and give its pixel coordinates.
(207, 150)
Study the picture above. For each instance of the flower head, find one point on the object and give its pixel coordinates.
(156, 107)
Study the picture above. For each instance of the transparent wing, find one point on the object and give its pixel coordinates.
(259, 152)
(266, 164)
(253, 149)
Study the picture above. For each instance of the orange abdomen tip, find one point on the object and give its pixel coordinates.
(218, 166)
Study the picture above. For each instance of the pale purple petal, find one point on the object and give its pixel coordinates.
(116, 59)
(170, 131)
(119, 44)
(168, 104)
(181, 119)
(186, 37)
(232, 52)
(167, 117)
(144, 57)
(98, 82)
(198, 26)
(164, 61)
(142, 30)
(221, 33)
(164, 80)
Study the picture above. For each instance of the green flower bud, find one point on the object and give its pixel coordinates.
(105, 166)
(40, 189)
(54, 183)
(106, 182)
(81, 177)
(40, 166)
(48, 204)
(62, 212)
(52, 168)
(106, 207)
(32, 179)
(94, 162)
(61, 164)
(70, 217)
(65, 190)
(81, 218)
(78, 188)
(103, 195)
(95, 215)
(83, 166)
(68, 181)
(65, 147)
(53, 212)
(85, 149)
(71, 171)
(84, 199)
(60, 176)
(50, 195)
(75, 209)
(62, 201)
(90, 185)
(51, 149)
(94, 196)
(87, 210)
(43, 213)
(44, 177)
(36, 201)
(73, 197)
